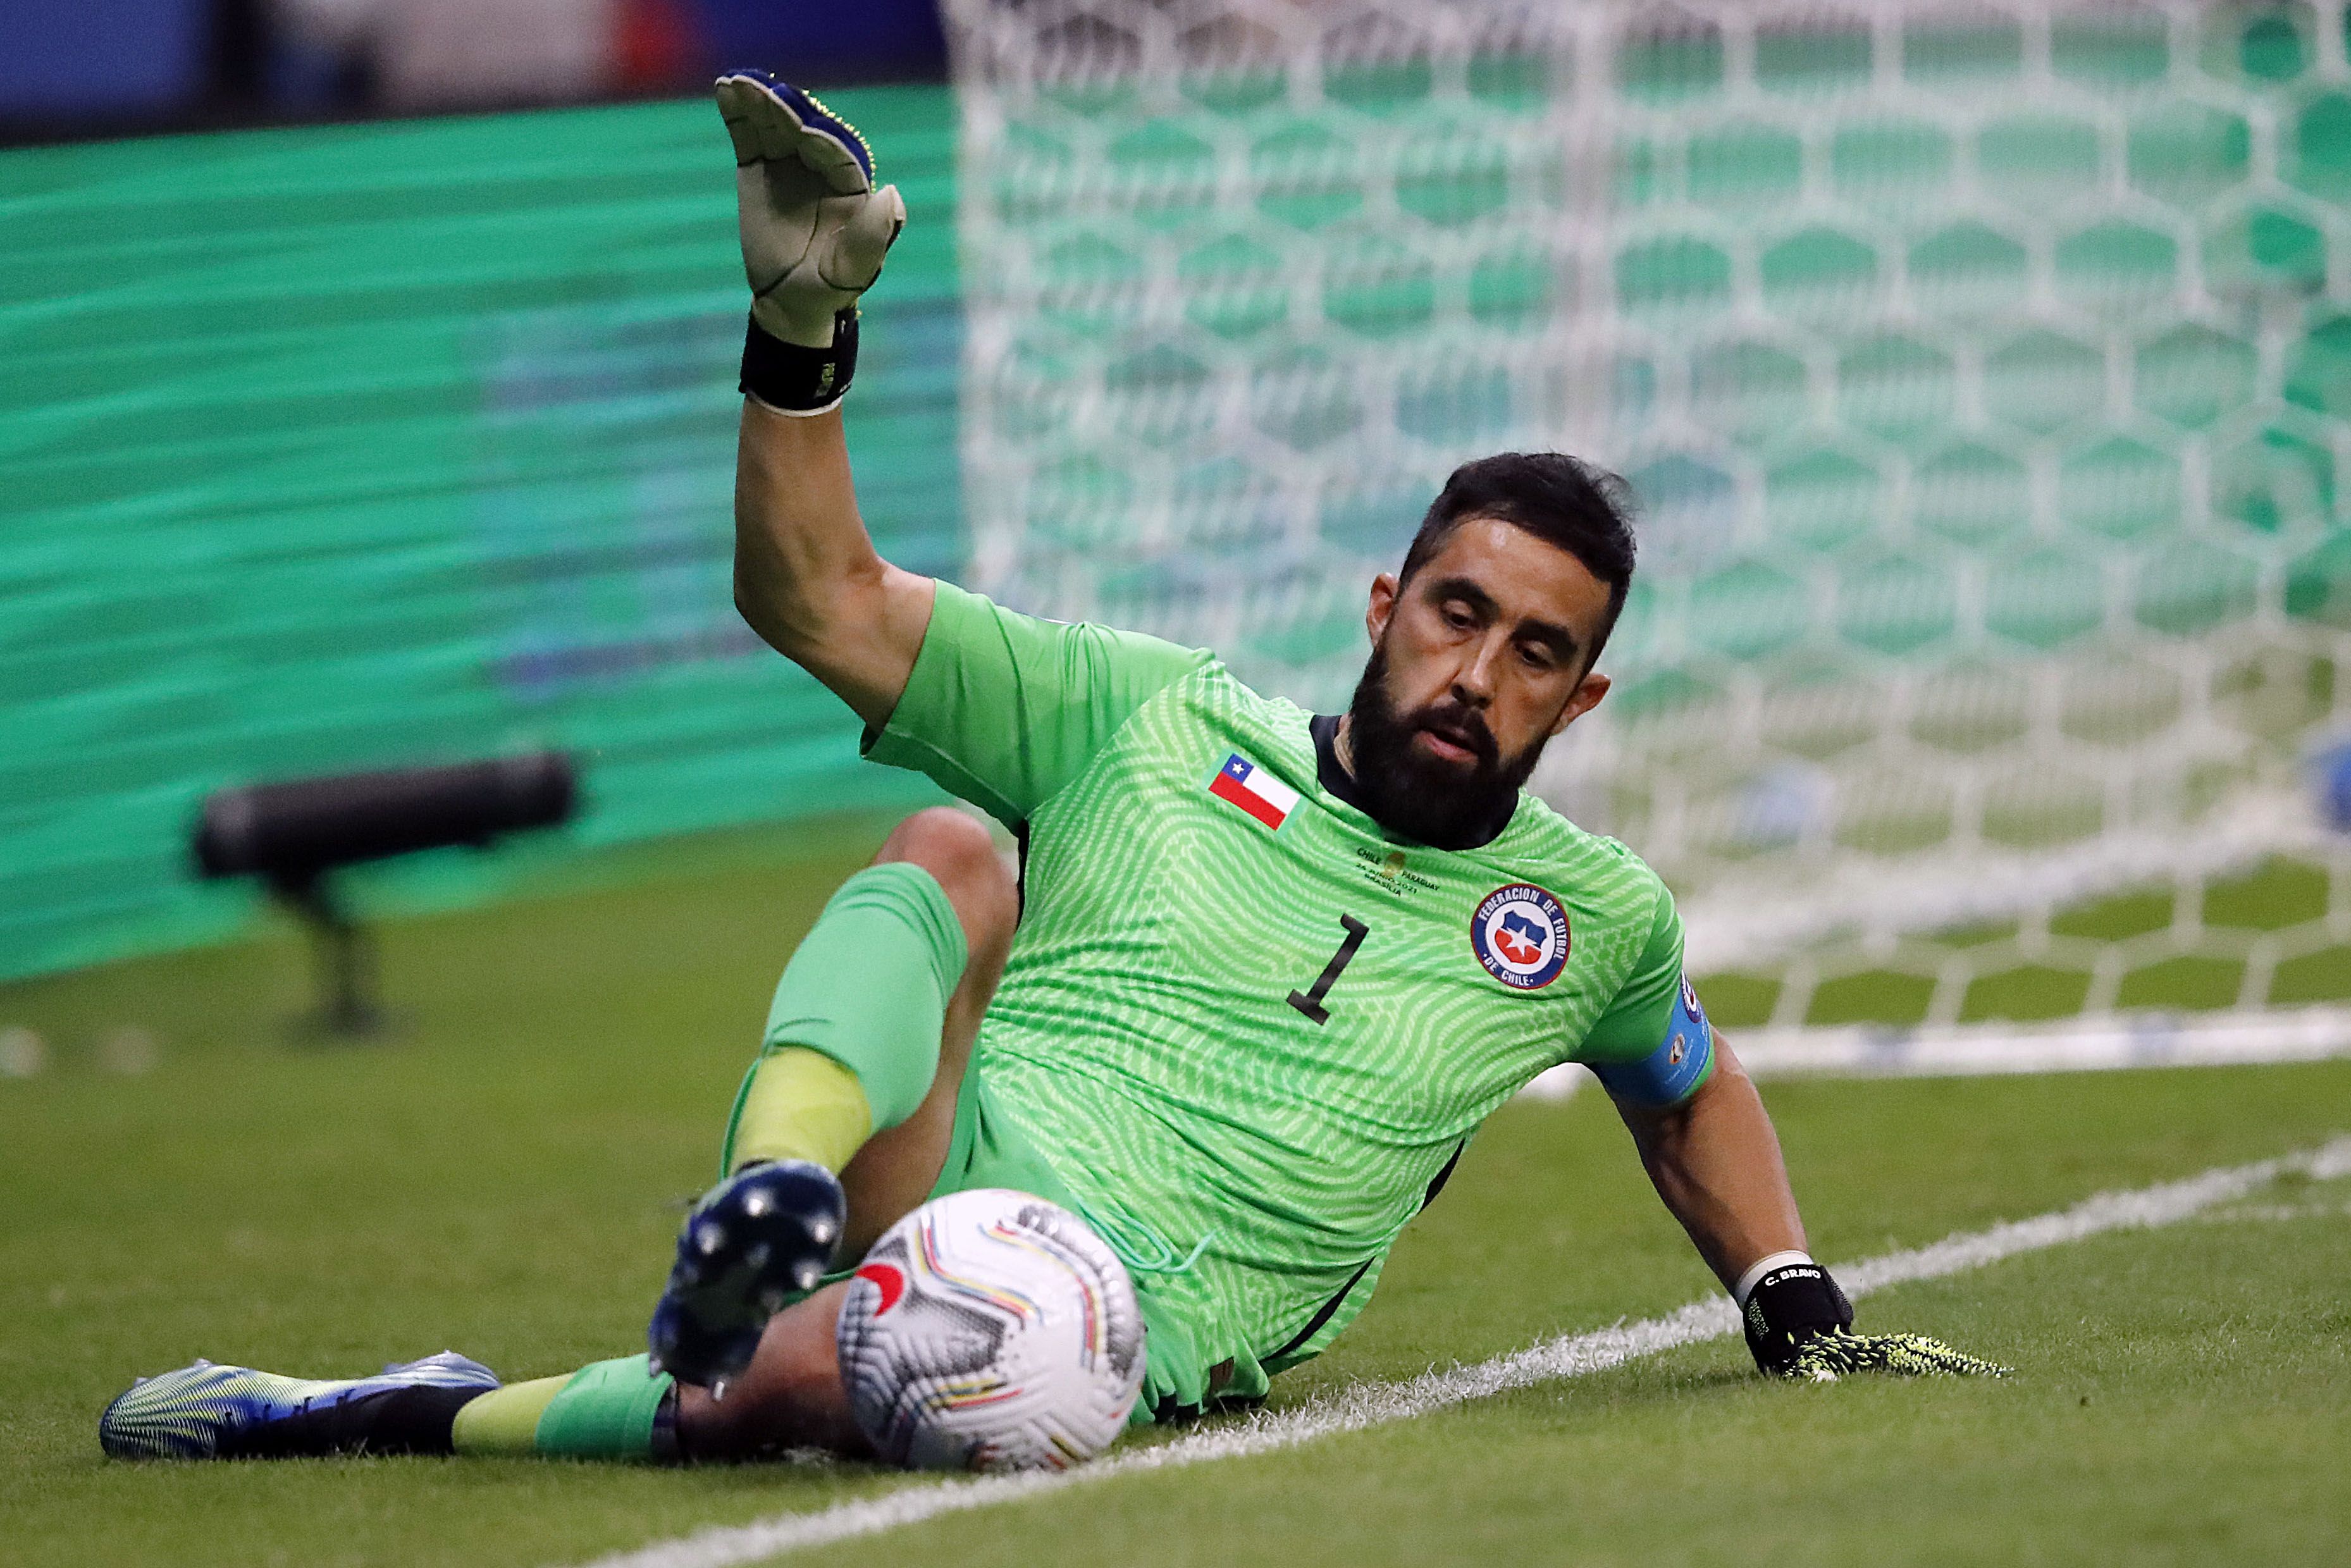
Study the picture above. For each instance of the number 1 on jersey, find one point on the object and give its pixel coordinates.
(1311, 1003)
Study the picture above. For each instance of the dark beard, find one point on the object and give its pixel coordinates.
(1422, 797)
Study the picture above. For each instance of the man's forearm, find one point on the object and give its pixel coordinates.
(797, 533)
(807, 577)
(1716, 1163)
(815, 229)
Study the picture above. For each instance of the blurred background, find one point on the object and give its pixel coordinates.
(111, 67)
(1982, 368)
(408, 441)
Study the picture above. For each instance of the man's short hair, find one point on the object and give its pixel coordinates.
(1583, 509)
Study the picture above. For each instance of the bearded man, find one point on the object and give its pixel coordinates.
(1261, 976)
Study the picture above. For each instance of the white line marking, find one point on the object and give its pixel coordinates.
(1977, 1049)
(2077, 1045)
(1572, 1355)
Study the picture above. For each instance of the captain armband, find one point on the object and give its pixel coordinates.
(1676, 1069)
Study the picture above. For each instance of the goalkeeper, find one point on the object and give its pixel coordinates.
(1265, 973)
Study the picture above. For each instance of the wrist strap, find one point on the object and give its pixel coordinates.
(1756, 1271)
(797, 381)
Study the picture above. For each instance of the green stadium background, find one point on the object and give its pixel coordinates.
(366, 446)
(372, 445)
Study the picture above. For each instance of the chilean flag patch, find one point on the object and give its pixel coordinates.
(1254, 790)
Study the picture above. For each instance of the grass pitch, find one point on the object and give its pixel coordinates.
(504, 1177)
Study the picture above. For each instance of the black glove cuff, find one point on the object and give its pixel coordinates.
(790, 379)
(1789, 1306)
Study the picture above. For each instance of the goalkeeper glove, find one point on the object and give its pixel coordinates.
(815, 231)
(1799, 1324)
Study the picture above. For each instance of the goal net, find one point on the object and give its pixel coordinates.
(1982, 369)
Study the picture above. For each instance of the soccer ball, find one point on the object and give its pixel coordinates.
(990, 1330)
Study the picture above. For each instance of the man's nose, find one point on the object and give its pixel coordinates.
(1473, 683)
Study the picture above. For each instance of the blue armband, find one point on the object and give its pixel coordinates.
(1674, 1072)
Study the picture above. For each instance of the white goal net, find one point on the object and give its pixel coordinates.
(1983, 372)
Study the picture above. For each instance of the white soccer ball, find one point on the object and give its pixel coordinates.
(990, 1330)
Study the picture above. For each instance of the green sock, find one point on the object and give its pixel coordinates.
(505, 1420)
(606, 1410)
(867, 987)
(796, 1104)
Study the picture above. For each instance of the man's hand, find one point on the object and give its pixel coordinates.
(815, 231)
(1799, 1324)
(1827, 1358)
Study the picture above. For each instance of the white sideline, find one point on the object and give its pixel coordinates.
(1572, 1355)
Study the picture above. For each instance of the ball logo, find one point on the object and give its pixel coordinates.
(886, 1279)
(1520, 932)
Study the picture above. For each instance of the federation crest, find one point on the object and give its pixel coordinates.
(1688, 1021)
(1520, 934)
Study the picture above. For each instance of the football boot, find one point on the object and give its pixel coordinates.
(211, 1412)
(754, 1244)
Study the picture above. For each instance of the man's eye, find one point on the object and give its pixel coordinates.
(1457, 618)
(1536, 654)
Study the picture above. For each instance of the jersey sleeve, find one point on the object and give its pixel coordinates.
(1653, 1046)
(1004, 709)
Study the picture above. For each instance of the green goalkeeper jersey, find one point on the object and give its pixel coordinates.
(1249, 1030)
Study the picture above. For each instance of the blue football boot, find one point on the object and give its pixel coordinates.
(756, 1240)
(208, 1412)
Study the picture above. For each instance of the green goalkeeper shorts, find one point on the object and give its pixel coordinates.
(987, 1150)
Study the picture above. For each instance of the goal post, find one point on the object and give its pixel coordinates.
(1982, 370)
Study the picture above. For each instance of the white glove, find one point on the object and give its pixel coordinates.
(815, 230)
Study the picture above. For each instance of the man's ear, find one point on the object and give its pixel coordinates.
(1588, 692)
(1382, 606)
